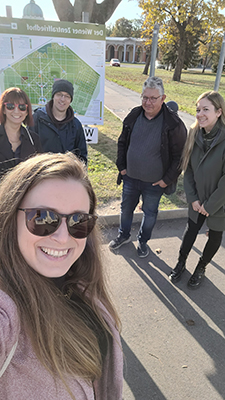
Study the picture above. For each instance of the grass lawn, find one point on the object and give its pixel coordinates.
(102, 169)
(185, 92)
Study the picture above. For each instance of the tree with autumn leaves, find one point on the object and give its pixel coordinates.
(181, 22)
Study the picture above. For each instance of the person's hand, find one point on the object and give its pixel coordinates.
(161, 183)
(203, 211)
(123, 172)
(196, 205)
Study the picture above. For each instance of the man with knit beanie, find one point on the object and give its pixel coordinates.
(59, 130)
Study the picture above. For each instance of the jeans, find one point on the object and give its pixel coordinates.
(132, 190)
(212, 245)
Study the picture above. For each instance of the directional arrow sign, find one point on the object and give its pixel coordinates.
(91, 134)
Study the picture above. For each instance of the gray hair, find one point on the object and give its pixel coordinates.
(154, 83)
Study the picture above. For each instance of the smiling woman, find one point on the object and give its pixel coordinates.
(17, 142)
(204, 180)
(54, 305)
(52, 255)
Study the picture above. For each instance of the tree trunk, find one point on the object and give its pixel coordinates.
(64, 10)
(181, 55)
(178, 70)
(147, 63)
(206, 62)
(98, 13)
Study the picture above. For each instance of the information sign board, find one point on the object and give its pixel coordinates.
(34, 53)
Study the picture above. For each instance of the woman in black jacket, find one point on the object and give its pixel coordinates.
(16, 141)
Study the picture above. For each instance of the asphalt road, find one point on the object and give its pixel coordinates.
(172, 337)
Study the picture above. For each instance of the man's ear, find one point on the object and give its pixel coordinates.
(163, 97)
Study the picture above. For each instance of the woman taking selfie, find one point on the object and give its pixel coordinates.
(204, 184)
(58, 328)
(16, 141)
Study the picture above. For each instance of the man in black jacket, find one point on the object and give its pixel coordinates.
(148, 160)
(58, 129)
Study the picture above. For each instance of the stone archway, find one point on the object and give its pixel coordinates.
(121, 53)
(130, 49)
(110, 52)
(140, 55)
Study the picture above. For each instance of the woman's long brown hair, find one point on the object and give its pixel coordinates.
(61, 340)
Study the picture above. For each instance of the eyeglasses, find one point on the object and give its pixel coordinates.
(61, 95)
(151, 99)
(11, 106)
(44, 222)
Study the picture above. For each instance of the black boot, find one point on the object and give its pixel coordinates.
(198, 275)
(179, 269)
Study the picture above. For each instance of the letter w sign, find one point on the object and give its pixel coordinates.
(91, 134)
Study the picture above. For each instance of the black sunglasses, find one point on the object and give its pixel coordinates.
(11, 106)
(44, 222)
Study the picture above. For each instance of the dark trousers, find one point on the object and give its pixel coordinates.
(212, 245)
(151, 195)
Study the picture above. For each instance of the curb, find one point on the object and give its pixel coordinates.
(111, 220)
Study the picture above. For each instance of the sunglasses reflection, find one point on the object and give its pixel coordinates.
(45, 222)
(12, 106)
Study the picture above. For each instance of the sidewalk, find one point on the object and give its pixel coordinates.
(173, 338)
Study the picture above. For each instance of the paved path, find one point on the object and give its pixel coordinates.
(173, 338)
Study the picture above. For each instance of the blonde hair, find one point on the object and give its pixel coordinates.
(218, 102)
(61, 340)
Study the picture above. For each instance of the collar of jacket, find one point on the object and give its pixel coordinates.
(24, 133)
(220, 137)
(171, 119)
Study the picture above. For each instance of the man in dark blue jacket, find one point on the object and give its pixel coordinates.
(148, 160)
(59, 130)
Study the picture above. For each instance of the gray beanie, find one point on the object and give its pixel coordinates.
(62, 85)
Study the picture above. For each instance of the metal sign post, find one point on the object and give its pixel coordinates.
(154, 49)
(220, 65)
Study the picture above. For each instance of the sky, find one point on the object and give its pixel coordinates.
(127, 9)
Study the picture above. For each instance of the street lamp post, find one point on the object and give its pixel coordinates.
(154, 49)
(220, 65)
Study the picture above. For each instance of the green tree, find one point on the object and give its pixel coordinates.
(125, 28)
(98, 12)
(190, 17)
(169, 51)
(108, 30)
(122, 28)
(137, 31)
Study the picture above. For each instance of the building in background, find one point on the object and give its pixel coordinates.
(126, 49)
(32, 11)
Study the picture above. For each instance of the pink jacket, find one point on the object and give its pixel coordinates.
(26, 378)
